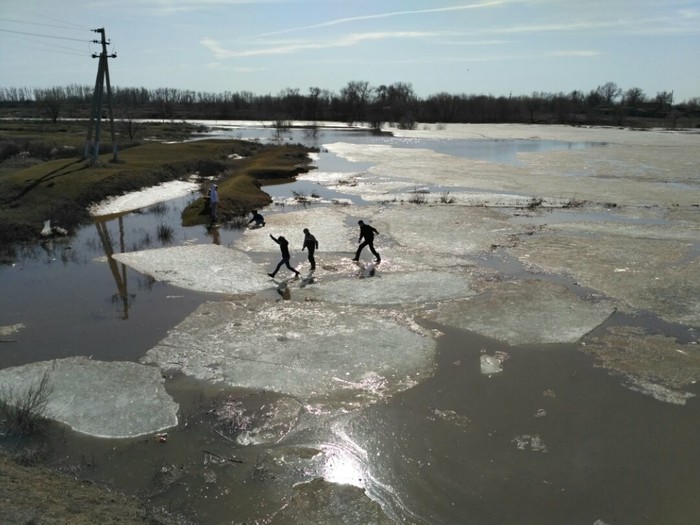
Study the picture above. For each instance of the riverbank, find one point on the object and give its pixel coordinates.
(40, 495)
(61, 191)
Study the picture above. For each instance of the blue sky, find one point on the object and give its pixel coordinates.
(492, 47)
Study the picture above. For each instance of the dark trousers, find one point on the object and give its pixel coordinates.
(311, 258)
(369, 243)
(286, 263)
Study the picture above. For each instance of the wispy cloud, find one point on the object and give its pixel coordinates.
(170, 7)
(686, 22)
(391, 14)
(287, 48)
(574, 53)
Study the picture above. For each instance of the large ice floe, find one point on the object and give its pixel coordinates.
(102, 399)
(203, 267)
(631, 167)
(393, 289)
(525, 312)
(331, 226)
(312, 351)
(655, 365)
(643, 268)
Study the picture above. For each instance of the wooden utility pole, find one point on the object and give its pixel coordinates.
(92, 144)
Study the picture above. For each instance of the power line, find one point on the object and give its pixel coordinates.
(46, 47)
(44, 36)
(44, 25)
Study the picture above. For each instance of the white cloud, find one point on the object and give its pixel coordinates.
(362, 18)
(295, 46)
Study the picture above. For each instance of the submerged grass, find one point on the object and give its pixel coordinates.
(23, 412)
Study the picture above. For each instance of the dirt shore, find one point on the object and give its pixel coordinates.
(39, 495)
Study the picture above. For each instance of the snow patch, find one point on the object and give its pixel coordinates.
(142, 198)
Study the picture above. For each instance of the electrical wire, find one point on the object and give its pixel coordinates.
(43, 25)
(43, 36)
(45, 46)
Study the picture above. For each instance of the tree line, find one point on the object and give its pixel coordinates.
(358, 102)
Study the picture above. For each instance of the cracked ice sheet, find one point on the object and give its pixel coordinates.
(102, 399)
(311, 351)
(393, 289)
(446, 230)
(524, 312)
(632, 167)
(337, 233)
(659, 275)
(329, 225)
(654, 365)
(647, 137)
(384, 190)
(201, 267)
(145, 197)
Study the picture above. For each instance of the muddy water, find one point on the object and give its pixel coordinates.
(550, 439)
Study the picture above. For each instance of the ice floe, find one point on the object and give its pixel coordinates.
(393, 289)
(447, 230)
(639, 273)
(202, 267)
(629, 167)
(331, 226)
(492, 364)
(524, 312)
(102, 399)
(307, 350)
(655, 365)
(11, 329)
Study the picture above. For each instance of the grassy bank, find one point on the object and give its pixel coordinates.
(42, 176)
(40, 495)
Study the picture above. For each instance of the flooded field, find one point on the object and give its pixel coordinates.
(525, 352)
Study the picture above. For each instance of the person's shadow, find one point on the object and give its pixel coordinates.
(284, 291)
(366, 271)
(309, 279)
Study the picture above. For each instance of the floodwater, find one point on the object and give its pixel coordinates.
(550, 439)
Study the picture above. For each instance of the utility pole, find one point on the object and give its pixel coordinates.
(92, 145)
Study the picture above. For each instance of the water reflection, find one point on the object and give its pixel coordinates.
(215, 235)
(118, 270)
(342, 466)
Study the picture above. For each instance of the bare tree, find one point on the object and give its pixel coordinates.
(129, 126)
(609, 92)
(51, 101)
(664, 98)
(356, 96)
(634, 96)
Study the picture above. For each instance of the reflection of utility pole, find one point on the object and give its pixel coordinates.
(96, 115)
(120, 280)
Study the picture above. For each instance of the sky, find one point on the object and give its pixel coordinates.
(479, 47)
